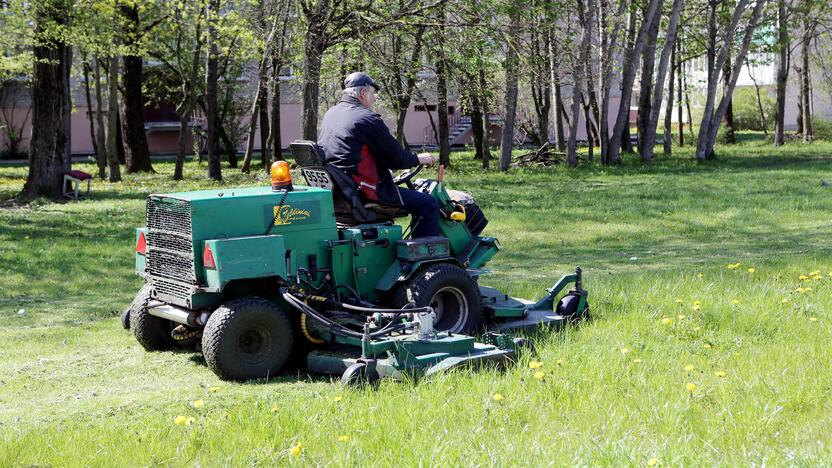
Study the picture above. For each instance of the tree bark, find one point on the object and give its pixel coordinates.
(608, 47)
(622, 120)
(679, 112)
(313, 56)
(442, 92)
(730, 129)
(511, 67)
(577, 86)
(113, 122)
(476, 115)
(212, 8)
(88, 96)
(486, 118)
(782, 72)
(710, 118)
(137, 155)
(645, 97)
(100, 158)
(667, 139)
(805, 87)
(50, 141)
(274, 136)
(652, 123)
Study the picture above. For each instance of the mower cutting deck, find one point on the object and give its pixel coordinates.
(258, 275)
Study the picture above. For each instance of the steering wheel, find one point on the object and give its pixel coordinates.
(406, 177)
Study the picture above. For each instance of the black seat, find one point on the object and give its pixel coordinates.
(350, 208)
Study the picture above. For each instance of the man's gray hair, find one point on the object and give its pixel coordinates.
(355, 91)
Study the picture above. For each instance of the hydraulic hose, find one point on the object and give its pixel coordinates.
(303, 328)
(336, 327)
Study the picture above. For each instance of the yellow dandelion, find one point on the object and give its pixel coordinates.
(707, 346)
(784, 301)
(689, 368)
(735, 301)
(751, 270)
(697, 328)
(680, 317)
(699, 275)
(497, 397)
(652, 462)
(697, 302)
(559, 362)
(667, 321)
(817, 278)
(813, 319)
(274, 409)
(343, 438)
(198, 404)
(337, 399)
(733, 266)
(799, 290)
(625, 350)
(296, 450)
(696, 308)
(189, 421)
(814, 273)
(719, 374)
(691, 387)
(636, 361)
(214, 389)
(807, 289)
(539, 375)
(679, 301)
(180, 420)
(829, 274)
(535, 365)
(803, 277)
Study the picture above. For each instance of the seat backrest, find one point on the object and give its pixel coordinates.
(307, 153)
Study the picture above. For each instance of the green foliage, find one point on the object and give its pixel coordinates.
(747, 110)
(822, 128)
(78, 390)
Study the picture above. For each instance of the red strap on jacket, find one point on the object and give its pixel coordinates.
(367, 177)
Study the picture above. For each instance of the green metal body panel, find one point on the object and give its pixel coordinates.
(245, 258)
(141, 259)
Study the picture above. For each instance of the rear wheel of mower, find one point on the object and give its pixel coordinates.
(451, 291)
(141, 298)
(152, 332)
(247, 338)
(568, 307)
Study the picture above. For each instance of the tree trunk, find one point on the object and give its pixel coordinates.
(50, 142)
(476, 115)
(652, 123)
(577, 86)
(252, 130)
(87, 95)
(442, 114)
(622, 121)
(113, 122)
(805, 87)
(264, 119)
(137, 154)
(711, 119)
(313, 56)
(212, 8)
(679, 112)
(730, 129)
(645, 97)
(511, 68)
(274, 136)
(486, 119)
(101, 157)
(667, 142)
(782, 73)
(608, 46)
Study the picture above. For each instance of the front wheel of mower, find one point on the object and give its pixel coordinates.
(152, 332)
(568, 307)
(359, 375)
(247, 338)
(452, 293)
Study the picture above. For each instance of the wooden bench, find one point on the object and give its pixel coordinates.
(72, 184)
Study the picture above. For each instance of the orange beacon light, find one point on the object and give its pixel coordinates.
(281, 177)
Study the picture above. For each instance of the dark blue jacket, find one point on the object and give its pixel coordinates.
(358, 142)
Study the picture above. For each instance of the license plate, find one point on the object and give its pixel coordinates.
(317, 178)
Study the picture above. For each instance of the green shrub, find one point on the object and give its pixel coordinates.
(822, 128)
(747, 111)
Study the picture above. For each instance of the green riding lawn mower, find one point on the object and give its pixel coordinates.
(264, 277)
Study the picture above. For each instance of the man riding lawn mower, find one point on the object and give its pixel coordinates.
(260, 275)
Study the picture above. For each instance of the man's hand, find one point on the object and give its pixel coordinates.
(426, 159)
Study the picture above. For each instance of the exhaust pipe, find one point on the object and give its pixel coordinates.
(179, 315)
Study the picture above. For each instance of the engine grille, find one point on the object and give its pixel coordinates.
(170, 251)
(167, 290)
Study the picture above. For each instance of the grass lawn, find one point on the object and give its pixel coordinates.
(686, 362)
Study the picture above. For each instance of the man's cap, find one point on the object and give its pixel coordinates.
(356, 79)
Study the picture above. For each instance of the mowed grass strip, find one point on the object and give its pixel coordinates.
(686, 360)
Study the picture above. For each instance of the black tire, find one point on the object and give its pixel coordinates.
(568, 307)
(451, 291)
(139, 300)
(152, 332)
(247, 338)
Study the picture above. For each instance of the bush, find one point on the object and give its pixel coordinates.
(9, 154)
(822, 129)
(747, 111)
